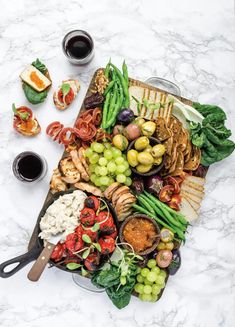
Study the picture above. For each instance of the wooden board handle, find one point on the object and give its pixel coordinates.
(41, 262)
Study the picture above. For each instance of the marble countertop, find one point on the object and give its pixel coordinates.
(189, 42)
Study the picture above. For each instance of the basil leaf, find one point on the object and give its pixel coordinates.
(95, 228)
(22, 115)
(86, 238)
(33, 96)
(65, 89)
(97, 246)
(40, 66)
(86, 253)
(84, 272)
(73, 265)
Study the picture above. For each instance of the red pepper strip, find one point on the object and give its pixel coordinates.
(97, 116)
(54, 129)
(166, 193)
(172, 181)
(174, 202)
(64, 138)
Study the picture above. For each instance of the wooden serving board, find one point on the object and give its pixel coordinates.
(132, 82)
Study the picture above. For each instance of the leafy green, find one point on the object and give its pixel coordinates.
(73, 265)
(22, 115)
(86, 253)
(32, 95)
(212, 135)
(86, 238)
(40, 66)
(65, 89)
(111, 278)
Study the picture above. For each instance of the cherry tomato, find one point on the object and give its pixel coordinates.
(166, 193)
(87, 217)
(68, 98)
(107, 244)
(92, 261)
(92, 235)
(92, 202)
(106, 222)
(58, 252)
(164, 258)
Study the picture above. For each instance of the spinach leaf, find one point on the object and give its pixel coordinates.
(206, 109)
(107, 277)
(33, 96)
(119, 301)
(198, 139)
(215, 119)
(40, 66)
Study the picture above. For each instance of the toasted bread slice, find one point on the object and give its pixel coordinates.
(194, 185)
(195, 205)
(33, 77)
(189, 189)
(195, 198)
(187, 210)
(197, 180)
(74, 84)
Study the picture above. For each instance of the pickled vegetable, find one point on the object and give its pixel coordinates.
(157, 161)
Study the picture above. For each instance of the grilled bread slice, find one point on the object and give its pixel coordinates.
(187, 210)
(75, 86)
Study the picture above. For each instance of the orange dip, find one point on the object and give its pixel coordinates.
(34, 78)
(140, 233)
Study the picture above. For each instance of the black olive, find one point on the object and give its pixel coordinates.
(89, 203)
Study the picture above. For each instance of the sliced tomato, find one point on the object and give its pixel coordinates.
(67, 136)
(68, 98)
(175, 202)
(166, 193)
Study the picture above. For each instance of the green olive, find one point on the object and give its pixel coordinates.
(148, 149)
(158, 150)
(132, 157)
(141, 143)
(143, 168)
(148, 128)
(120, 142)
(139, 121)
(145, 158)
(157, 161)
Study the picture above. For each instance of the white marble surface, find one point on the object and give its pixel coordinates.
(190, 42)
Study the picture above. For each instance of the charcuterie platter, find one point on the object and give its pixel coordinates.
(130, 181)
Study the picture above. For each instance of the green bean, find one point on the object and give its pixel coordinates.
(113, 117)
(156, 208)
(142, 210)
(109, 87)
(112, 102)
(176, 214)
(107, 69)
(125, 72)
(105, 109)
(146, 204)
(165, 212)
(124, 85)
